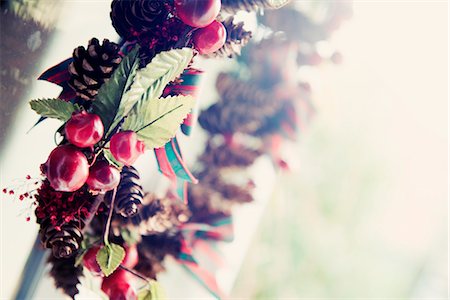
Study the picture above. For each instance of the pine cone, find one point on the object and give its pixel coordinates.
(237, 37)
(151, 207)
(154, 248)
(239, 92)
(65, 274)
(130, 18)
(158, 215)
(64, 240)
(233, 6)
(215, 196)
(220, 118)
(221, 156)
(92, 67)
(62, 217)
(129, 193)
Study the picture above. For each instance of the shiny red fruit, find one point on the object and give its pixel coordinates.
(125, 147)
(90, 260)
(66, 168)
(210, 39)
(197, 13)
(103, 177)
(117, 286)
(84, 129)
(131, 257)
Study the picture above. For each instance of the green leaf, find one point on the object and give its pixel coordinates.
(109, 104)
(110, 158)
(109, 258)
(54, 108)
(157, 121)
(150, 81)
(152, 291)
(130, 236)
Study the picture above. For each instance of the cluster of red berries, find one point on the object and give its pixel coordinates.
(67, 167)
(210, 34)
(61, 207)
(117, 285)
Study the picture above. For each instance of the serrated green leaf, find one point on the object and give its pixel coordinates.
(54, 108)
(157, 121)
(109, 258)
(109, 104)
(152, 291)
(150, 81)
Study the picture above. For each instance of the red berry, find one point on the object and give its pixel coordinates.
(117, 286)
(125, 147)
(90, 260)
(84, 129)
(210, 39)
(66, 168)
(197, 13)
(131, 257)
(103, 177)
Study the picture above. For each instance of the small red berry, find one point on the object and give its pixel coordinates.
(84, 129)
(11, 192)
(210, 39)
(125, 147)
(117, 286)
(131, 257)
(4, 191)
(103, 177)
(197, 13)
(90, 260)
(66, 168)
(28, 219)
(28, 177)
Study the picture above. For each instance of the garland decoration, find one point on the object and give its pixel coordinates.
(120, 101)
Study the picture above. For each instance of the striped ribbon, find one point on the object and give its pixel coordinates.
(59, 75)
(171, 164)
(200, 240)
(187, 85)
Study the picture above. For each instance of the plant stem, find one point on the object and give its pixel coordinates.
(95, 157)
(108, 223)
(98, 200)
(135, 273)
(160, 117)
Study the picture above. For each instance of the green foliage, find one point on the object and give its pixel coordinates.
(130, 236)
(110, 158)
(110, 104)
(54, 108)
(157, 121)
(152, 291)
(150, 81)
(109, 258)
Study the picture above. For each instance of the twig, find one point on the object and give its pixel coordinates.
(135, 273)
(108, 223)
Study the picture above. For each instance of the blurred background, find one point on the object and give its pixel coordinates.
(365, 212)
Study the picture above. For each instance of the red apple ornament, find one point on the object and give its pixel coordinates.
(90, 260)
(210, 39)
(117, 286)
(84, 129)
(197, 13)
(125, 147)
(67, 168)
(103, 177)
